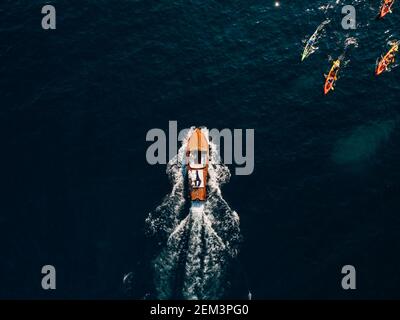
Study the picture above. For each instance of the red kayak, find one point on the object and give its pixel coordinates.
(331, 77)
(387, 60)
(386, 8)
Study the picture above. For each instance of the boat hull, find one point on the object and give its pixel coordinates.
(197, 154)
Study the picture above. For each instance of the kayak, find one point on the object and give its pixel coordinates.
(386, 8)
(310, 46)
(331, 77)
(387, 59)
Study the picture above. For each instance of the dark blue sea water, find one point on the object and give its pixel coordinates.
(76, 104)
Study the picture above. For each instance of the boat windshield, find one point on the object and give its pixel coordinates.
(198, 159)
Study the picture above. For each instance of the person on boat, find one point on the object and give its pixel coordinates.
(390, 57)
(388, 60)
(197, 182)
(335, 70)
(388, 4)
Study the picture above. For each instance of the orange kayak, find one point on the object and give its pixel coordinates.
(331, 77)
(197, 157)
(387, 60)
(386, 8)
